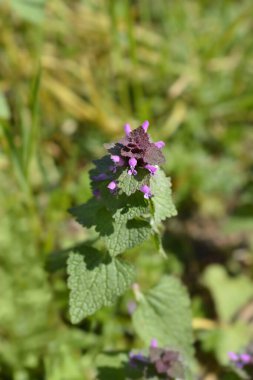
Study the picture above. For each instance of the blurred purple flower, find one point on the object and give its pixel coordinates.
(154, 343)
(112, 186)
(97, 193)
(159, 144)
(117, 160)
(233, 356)
(131, 306)
(127, 129)
(246, 358)
(151, 168)
(240, 360)
(145, 125)
(100, 177)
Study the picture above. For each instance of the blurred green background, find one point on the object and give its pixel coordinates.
(72, 72)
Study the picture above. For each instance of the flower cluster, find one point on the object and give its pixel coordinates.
(134, 152)
(164, 363)
(241, 360)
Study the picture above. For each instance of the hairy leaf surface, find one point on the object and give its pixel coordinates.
(94, 281)
(162, 199)
(127, 234)
(164, 313)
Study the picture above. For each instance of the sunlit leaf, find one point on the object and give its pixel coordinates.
(95, 280)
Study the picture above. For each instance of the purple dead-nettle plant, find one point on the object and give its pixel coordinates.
(131, 198)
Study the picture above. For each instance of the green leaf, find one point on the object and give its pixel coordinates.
(120, 229)
(128, 205)
(86, 214)
(58, 260)
(30, 10)
(229, 293)
(164, 313)
(127, 234)
(117, 225)
(131, 206)
(129, 184)
(94, 281)
(104, 225)
(162, 200)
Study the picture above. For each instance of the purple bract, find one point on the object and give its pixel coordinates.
(137, 144)
(133, 152)
(164, 363)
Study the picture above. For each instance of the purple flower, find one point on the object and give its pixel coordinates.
(113, 168)
(145, 125)
(245, 358)
(233, 356)
(151, 168)
(154, 343)
(132, 163)
(117, 160)
(127, 129)
(100, 177)
(135, 359)
(97, 193)
(160, 144)
(112, 186)
(146, 190)
(240, 360)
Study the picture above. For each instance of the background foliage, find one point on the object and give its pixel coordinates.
(72, 73)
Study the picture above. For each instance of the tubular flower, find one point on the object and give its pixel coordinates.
(132, 163)
(145, 125)
(127, 129)
(112, 186)
(145, 189)
(117, 160)
(151, 168)
(159, 144)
